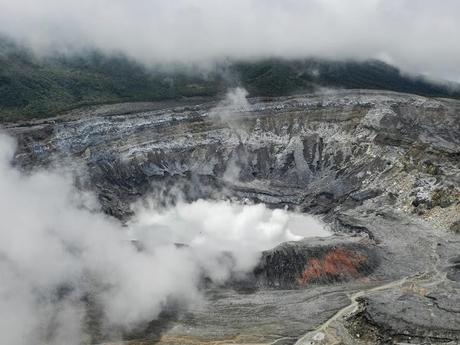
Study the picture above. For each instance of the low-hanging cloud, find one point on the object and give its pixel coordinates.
(419, 36)
(57, 252)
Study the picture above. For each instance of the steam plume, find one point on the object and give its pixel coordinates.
(57, 251)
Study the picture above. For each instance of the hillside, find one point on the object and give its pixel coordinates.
(39, 87)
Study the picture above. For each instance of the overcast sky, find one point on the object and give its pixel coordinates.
(417, 35)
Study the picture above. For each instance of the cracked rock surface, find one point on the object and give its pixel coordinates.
(382, 168)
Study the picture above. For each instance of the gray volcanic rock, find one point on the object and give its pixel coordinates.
(320, 261)
(381, 167)
(315, 152)
(413, 316)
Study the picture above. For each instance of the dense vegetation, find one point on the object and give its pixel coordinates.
(33, 87)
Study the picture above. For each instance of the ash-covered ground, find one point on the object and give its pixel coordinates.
(382, 169)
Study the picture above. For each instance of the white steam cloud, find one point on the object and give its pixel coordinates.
(228, 110)
(234, 102)
(216, 227)
(419, 36)
(57, 251)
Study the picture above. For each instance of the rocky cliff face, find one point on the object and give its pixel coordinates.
(317, 152)
(382, 167)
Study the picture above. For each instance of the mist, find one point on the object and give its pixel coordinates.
(234, 102)
(417, 36)
(214, 227)
(58, 251)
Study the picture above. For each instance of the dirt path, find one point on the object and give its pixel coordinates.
(332, 330)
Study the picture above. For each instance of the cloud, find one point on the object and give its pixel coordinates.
(418, 36)
(57, 251)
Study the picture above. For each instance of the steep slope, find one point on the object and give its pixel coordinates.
(39, 87)
(382, 168)
(323, 149)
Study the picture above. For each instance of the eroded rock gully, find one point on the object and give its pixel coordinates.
(381, 168)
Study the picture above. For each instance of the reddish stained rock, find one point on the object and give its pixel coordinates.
(338, 263)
